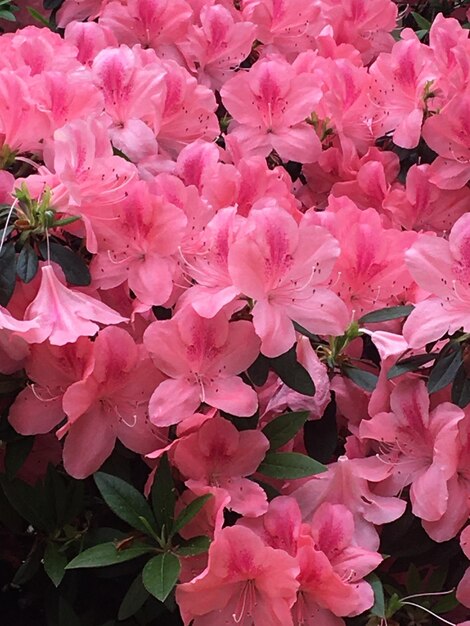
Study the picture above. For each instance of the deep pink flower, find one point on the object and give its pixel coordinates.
(109, 402)
(220, 456)
(246, 583)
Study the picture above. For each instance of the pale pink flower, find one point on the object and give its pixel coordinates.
(62, 315)
(281, 266)
(269, 105)
(463, 589)
(420, 446)
(202, 358)
(442, 268)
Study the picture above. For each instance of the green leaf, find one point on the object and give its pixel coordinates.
(67, 615)
(194, 546)
(7, 273)
(188, 513)
(460, 393)
(125, 501)
(28, 502)
(37, 16)
(292, 373)
(383, 315)
(306, 333)
(74, 267)
(163, 496)
(379, 600)
(107, 554)
(361, 378)
(29, 567)
(160, 575)
(259, 370)
(321, 436)
(445, 368)
(134, 599)
(284, 428)
(7, 15)
(422, 22)
(411, 364)
(27, 263)
(54, 563)
(16, 454)
(52, 5)
(289, 465)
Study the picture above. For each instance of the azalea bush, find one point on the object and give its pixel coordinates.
(234, 313)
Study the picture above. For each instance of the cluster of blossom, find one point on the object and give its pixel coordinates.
(172, 129)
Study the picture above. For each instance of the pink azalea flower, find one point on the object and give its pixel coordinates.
(220, 456)
(463, 589)
(63, 315)
(109, 402)
(89, 38)
(332, 568)
(442, 268)
(363, 276)
(281, 266)
(270, 104)
(245, 583)
(448, 134)
(421, 205)
(157, 24)
(347, 482)
(421, 447)
(51, 370)
(218, 45)
(286, 24)
(140, 245)
(202, 358)
(403, 80)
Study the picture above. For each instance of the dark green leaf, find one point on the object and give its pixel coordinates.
(194, 546)
(51, 5)
(306, 333)
(134, 599)
(107, 554)
(446, 604)
(27, 501)
(29, 567)
(54, 563)
(163, 495)
(289, 465)
(125, 501)
(259, 370)
(160, 575)
(67, 615)
(7, 273)
(16, 454)
(321, 436)
(292, 373)
(383, 315)
(363, 379)
(74, 267)
(460, 394)
(422, 22)
(379, 600)
(8, 516)
(445, 368)
(411, 364)
(27, 264)
(283, 428)
(188, 513)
